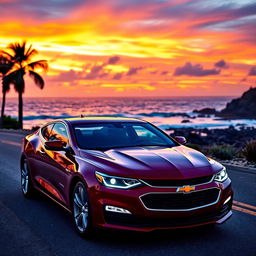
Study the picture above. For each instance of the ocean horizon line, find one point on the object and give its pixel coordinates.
(119, 97)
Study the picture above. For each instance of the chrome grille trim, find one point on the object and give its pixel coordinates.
(180, 210)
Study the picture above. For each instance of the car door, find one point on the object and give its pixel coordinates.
(59, 165)
(38, 161)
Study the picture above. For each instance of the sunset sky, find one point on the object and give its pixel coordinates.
(136, 47)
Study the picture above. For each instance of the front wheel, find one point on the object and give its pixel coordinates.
(81, 211)
(26, 185)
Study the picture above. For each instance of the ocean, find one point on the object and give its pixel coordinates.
(164, 112)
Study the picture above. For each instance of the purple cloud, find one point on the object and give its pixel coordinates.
(133, 70)
(194, 70)
(164, 72)
(65, 76)
(252, 71)
(117, 76)
(221, 64)
(113, 60)
(96, 72)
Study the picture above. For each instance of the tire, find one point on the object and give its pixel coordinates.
(81, 211)
(27, 188)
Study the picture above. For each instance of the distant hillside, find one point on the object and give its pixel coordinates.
(243, 107)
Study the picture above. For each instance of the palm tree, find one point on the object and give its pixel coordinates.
(5, 67)
(21, 56)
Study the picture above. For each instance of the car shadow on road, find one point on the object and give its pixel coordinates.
(126, 237)
(55, 226)
(53, 222)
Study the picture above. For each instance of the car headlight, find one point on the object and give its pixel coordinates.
(116, 182)
(221, 176)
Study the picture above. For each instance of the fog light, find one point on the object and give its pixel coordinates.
(111, 208)
(227, 200)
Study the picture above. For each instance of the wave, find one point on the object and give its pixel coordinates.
(164, 114)
(43, 117)
(152, 114)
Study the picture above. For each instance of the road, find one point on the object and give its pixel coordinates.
(39, 227)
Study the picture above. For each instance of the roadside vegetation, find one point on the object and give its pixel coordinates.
(10, 123)
(222, 152)
(249, 151)
(229, 153)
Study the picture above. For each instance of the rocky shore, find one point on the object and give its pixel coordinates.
(208, 137)
(240, 108)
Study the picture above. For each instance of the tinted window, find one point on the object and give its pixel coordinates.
(144, 134)
(113, 135)
(46, 131)
(59, 132)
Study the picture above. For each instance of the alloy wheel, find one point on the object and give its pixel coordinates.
(80, 208)
(24, 177)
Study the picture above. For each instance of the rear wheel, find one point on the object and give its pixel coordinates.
(26, 185)
(81, 211)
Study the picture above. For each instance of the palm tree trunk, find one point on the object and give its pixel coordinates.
(20, 120)
(2, 110)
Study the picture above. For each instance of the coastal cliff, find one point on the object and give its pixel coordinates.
(243, 107)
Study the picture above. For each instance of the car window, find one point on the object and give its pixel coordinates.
(59, 132)
(46, 131)
(114, 135)
(145, 135)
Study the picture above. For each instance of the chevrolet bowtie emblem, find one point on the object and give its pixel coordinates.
(185, 189)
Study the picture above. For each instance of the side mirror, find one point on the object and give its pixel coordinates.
(55, 145)
(180, 139)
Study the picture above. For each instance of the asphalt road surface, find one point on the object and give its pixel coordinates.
(39, 227)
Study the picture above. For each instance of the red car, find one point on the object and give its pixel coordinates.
(124, 173)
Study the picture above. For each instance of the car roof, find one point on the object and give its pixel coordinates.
(95, 119)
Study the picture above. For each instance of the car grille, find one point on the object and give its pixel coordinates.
(180, 201)
(178, 183)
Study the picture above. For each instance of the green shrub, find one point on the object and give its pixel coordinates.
(249, 151)
(194, 146)
(35, 128)
(223, 152)
(10, 123)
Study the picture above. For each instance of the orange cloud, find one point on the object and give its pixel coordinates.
(105, 48)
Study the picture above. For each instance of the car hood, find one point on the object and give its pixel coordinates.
(178, 162)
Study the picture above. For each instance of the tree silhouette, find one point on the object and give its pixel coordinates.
(20, 55)
(5, 66)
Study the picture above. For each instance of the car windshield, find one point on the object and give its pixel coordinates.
(104, 136)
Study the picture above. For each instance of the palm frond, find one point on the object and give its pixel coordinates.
(30, 53)
(5, 65)
(19, 51)
(38, 64)
(39, 81)
(20, 54)
(7, 55)
(28, 50)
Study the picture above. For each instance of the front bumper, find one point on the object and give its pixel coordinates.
(143, 219)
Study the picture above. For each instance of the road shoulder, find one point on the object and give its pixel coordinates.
(17, 238)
